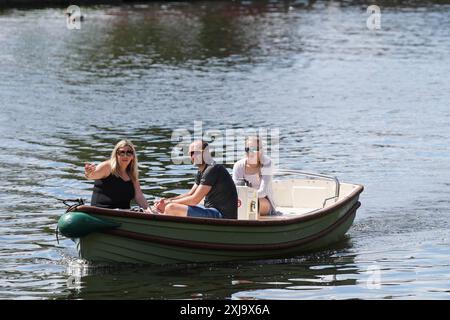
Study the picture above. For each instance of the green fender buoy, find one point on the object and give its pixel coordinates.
(77, 224)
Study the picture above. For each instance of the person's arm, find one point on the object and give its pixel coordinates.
(208, 179)
(161, 203)
(139, 195)
(93, 172)
(189, 193)
(191, 200)
(266, 180)
(237, 172)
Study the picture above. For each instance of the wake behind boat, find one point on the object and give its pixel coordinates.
(317, 211)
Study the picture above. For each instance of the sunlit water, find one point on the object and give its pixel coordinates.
(371, 107)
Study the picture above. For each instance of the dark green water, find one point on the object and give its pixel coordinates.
(371, 107)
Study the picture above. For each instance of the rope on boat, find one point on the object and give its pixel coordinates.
(70, 207)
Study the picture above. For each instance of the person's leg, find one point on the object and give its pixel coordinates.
(175, 209)
(200, 211)
(264, 206)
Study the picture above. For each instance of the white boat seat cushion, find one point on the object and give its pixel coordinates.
(309, 196)
(295, 211)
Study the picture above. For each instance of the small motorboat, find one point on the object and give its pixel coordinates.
(317, 210)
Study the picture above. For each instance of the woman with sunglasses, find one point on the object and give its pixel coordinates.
(256, 170)
(116, 179)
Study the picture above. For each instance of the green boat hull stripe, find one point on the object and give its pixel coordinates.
(233, 247)
(79, 224)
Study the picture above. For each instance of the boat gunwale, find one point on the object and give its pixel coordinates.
(236, 247)
(316, 214)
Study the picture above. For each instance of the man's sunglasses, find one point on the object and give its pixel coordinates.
(251, 149)
(128, 153)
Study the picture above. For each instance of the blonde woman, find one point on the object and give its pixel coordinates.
(256, 169)
(116, 179)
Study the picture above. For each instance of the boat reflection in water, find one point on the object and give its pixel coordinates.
(301, 276)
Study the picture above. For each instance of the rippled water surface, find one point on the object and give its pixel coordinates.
(371, 107)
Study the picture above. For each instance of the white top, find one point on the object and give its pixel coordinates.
(254, 179)
(264, 183)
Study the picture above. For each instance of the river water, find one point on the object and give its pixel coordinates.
(369, 106)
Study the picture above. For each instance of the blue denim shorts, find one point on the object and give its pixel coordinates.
(202, 212)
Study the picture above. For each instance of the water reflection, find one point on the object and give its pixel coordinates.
(210, 281)
(130, 40)
(369, 107)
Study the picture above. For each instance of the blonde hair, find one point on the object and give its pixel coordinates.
(132, 168)
(259, 144)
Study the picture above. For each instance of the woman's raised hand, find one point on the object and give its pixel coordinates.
(89, 168)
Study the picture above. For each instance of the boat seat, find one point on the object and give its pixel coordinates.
(308, 193)
(288, 212)
(295, 211)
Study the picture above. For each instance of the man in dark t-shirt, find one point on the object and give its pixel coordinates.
(213, 182)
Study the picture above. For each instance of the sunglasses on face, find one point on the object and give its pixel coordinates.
(251, 149)
(128, 153)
